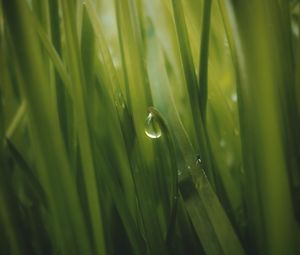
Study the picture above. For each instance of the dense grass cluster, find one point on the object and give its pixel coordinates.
(149, 127)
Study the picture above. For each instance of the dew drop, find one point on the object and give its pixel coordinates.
(119, 101)
(234, 97)
(198, 160)
(152, 128)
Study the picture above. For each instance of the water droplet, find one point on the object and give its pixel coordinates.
(198, 160)
(189, 167)
(119, 101)
(179, 172)
(152, 128)
(234, 97)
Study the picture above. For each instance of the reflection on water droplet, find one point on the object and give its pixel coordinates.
(234, 97)
(198, 160)
(152, 128)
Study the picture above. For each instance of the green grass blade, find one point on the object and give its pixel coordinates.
(202, 146)
(57, 62)
(203, 62)
(78, 81)
(51, 155)
(271, 222)
(207, 215)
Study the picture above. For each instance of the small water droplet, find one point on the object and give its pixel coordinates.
(189, 167)
(179, 172)
(119, 101)
(152, 128)
(198, 160)
(234, 97)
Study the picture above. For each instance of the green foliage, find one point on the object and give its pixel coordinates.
(149, 127)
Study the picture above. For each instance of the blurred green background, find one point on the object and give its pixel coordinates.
(149, 127)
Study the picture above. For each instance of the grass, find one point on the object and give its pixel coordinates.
(149, 127)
